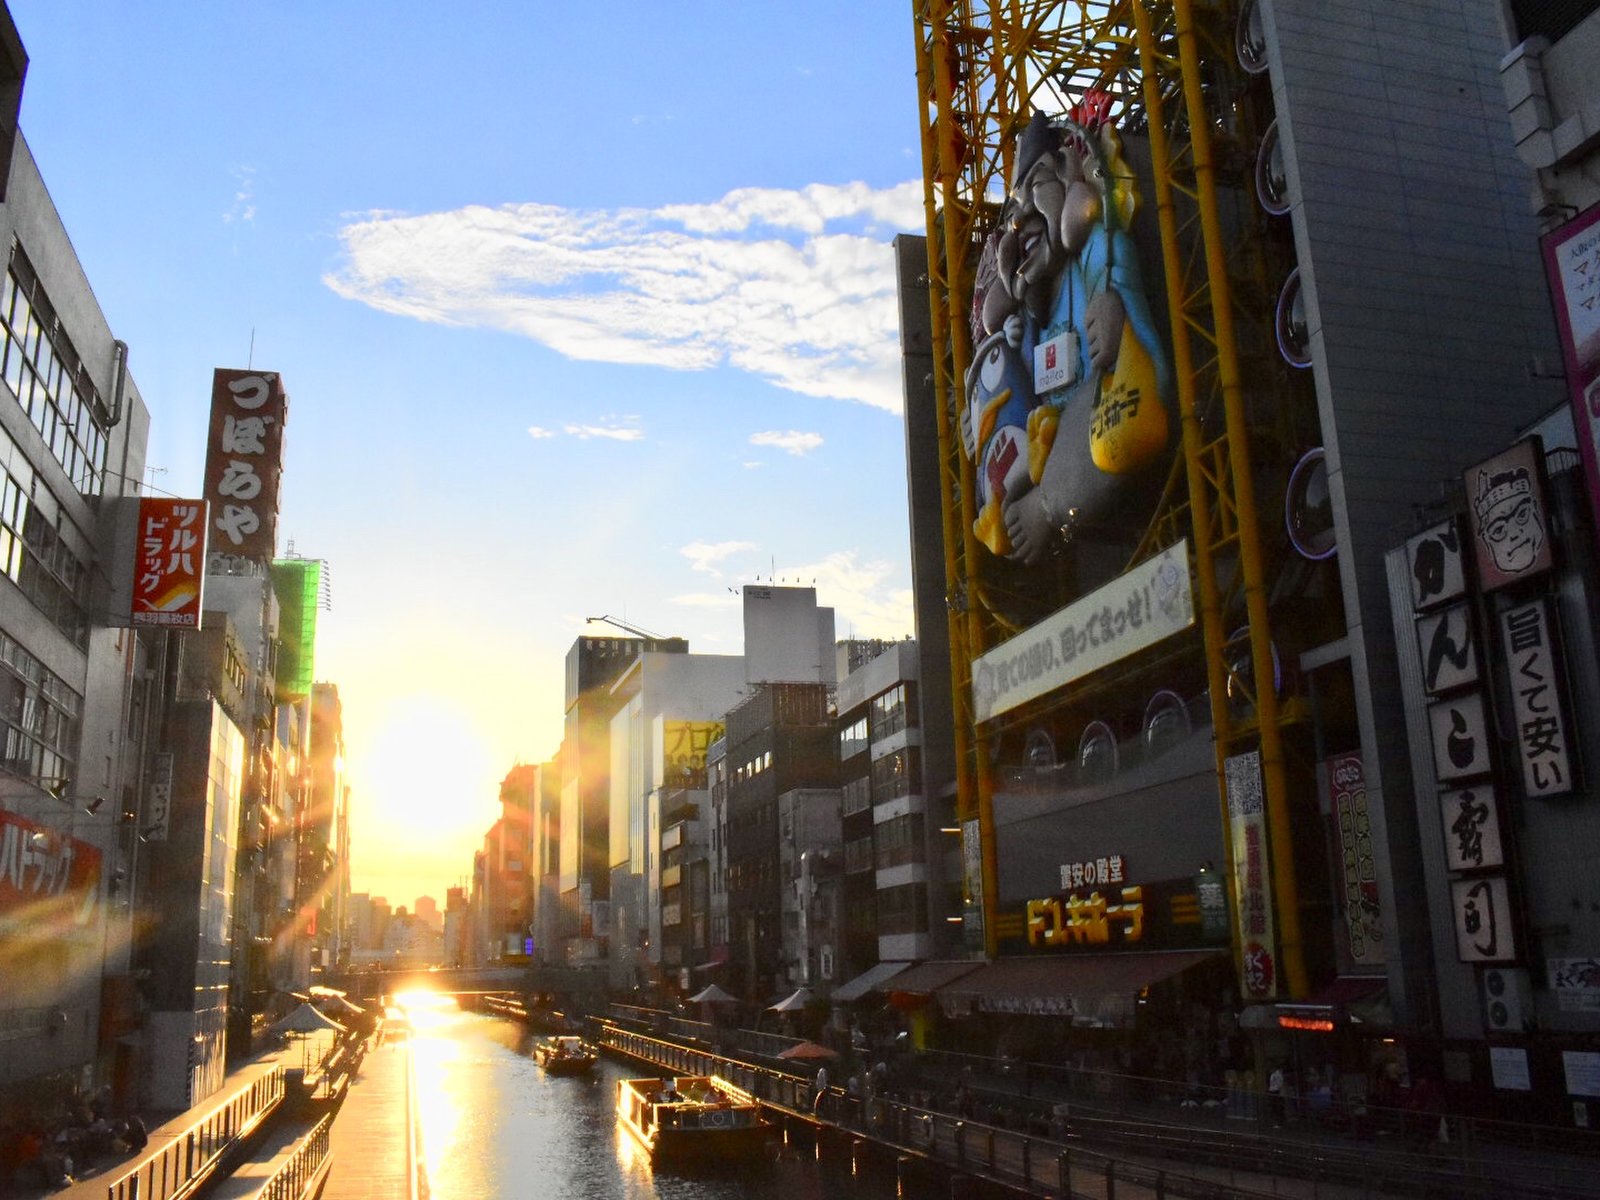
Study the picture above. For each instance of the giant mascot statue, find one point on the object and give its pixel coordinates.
(1069, 393)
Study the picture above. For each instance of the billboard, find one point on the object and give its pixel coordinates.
(244, 460)
(1068, 406)
(1572, 265)
(49, 881)
(1507, 514)
(169, 563)
(683, 751)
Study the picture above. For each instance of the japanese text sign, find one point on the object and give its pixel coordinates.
(47, 879)
(1435, 565)
(1572, 266)
(1470, 817)
(1506, 511)
(1132, 612)
(169, 562)
(1543, 736)
(1449, 657)
(1252, 877)
(1483, 920)
(1460, 733)
(1347, 790)
(244, 459)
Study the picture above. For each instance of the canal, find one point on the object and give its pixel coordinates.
(493, 1124)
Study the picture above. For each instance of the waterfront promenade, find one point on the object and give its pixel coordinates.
(375, 1143)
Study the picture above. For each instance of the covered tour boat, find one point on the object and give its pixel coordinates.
(565, 1055)
(692, 1118)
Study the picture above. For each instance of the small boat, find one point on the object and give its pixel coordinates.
(565, 1055)
(692, 1118)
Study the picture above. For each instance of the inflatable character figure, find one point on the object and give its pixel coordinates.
(1059, 284)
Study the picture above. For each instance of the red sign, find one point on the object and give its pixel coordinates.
(1572, 264)
(170, 563)
(49, 882)
(244, 459)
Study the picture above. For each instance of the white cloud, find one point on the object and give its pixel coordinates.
(539, 431)
(794, 286)
(704, 556)
(706, 599)
(243, 209)
(863, 604)
(616, 433)
(791, 440)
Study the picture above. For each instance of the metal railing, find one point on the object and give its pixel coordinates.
(302, 1170)
(177, 1169)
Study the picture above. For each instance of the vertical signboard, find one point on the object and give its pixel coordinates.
(1483, 920)
(158, 799)
(1347, 791)
(1572, 265)
(244, 459)
(1543, 733)
(1470, 817)
(1252, 878)
(170, 562)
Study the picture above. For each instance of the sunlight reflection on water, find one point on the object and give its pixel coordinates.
(495, 1125)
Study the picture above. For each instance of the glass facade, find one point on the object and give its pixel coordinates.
(224, 787)
(40, 716)
(48, 379)
(41, 550)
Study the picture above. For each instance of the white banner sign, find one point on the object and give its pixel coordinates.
(1527, 635)
(1252, 877)
(1132, 612)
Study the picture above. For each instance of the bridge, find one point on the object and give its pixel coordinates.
(521, 979)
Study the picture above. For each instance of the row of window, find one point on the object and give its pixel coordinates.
(41, 550)
(853, 738)
(897, 774)
(754, 767)
(856, 795)
(49, 380)
(39, 715)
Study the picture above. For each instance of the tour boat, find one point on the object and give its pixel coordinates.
(692, 1117)
(565, 1055)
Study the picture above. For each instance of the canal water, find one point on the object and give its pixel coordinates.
(494, 1124)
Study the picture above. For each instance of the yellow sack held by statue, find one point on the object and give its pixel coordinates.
(1129, 429)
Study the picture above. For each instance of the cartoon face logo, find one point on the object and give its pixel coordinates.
(1509, 524)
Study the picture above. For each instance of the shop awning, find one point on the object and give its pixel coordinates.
(867, 980)
(1093, 990)
(1360, 999)
(925, 978)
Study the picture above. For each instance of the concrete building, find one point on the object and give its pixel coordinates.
(78, 706)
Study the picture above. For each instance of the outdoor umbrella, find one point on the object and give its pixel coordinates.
(339, 1003)
(306, 1020)
(318, 989)
(807, 1050)
(792, 1003)
(712, 995)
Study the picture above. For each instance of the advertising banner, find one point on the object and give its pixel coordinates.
(49, 881)
(1149, 603)
(1572, 266)
(170, 562)
(1347, 791)
(1527, 634)
(1252, 878)
(244, 460)
(683, 751)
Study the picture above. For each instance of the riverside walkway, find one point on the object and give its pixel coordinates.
(374, 1140)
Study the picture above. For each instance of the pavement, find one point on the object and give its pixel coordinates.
(374, 1138)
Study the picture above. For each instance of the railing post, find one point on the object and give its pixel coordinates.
(1027, 1161)
(1111, 1179)
(961, 1141)
(1064, 1173)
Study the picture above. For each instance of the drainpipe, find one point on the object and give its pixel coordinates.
(119, 361)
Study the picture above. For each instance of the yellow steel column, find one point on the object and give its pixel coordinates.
(1273, 773)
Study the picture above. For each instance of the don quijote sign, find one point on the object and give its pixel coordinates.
(244, 461)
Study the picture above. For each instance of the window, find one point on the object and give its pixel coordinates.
(900, 841)
(39, 717)
(48, 379)
(853, 739)
(903, 909)
(896, 774)
(891, 712)
(41, 550)
(857, 795)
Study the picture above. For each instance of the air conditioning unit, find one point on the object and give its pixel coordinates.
(1507, 1000)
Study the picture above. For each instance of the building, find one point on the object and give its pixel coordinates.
(80, 707)
(1168, 590)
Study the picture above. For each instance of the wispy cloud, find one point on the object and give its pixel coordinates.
(620, 430)
(704, 556)
(243, 209)
(794, 286)
(706, 599)
(791, 440)
(863, 603)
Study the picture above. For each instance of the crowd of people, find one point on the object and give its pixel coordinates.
(46, 1151)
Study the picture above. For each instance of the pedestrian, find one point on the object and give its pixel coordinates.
(821, 1087)
(1276, 1096)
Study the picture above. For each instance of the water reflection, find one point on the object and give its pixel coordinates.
(494, 1124)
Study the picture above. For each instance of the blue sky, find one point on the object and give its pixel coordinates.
(581, 309)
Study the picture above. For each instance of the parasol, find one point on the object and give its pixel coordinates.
(307, 1019)
(792, 1003)
(712, 995)
(807, 1050)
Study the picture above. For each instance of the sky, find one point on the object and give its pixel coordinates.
(582, 309)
